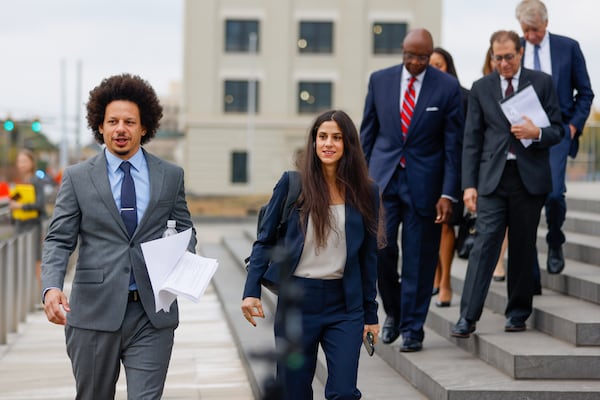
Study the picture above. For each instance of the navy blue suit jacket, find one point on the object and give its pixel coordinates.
(572, 84)
(430, 149)
(360, 272)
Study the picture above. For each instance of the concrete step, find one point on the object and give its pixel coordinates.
(376, 379)
(523, 355)
(579, 247)
(589, 203)
(586, 223)
(444, 371)
(561, 316)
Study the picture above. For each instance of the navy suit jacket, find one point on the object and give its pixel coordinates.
(430, 149)
(360, 272)
(572, 84)
(488, 138)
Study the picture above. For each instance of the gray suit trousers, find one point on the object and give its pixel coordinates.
(144, 351)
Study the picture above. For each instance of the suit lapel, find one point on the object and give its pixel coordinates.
(156, 174)
(98, 175)
(555, 61)
(395, 101)
(429, 82)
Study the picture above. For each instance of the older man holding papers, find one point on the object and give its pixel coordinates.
(505, 178)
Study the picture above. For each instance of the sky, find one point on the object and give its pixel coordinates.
(39, 39)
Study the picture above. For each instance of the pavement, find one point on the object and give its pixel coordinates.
(205, 363)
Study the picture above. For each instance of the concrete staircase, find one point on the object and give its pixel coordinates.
(558, 357)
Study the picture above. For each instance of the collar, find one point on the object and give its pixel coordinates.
(516, 76)
(114, 162)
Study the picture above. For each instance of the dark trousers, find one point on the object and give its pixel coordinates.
(513, 207)
(407, 301)
(325, 322)
(96, 357)
(555, 207)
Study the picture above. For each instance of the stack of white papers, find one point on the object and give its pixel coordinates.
(174, 271)
(525, 102)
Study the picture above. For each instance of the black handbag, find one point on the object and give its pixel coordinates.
(466, 235)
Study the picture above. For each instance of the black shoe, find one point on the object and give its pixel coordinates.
(514, 325)
(435, 291)
(390, 330)
(537, 289)
(410, 345)
(463, 328)
(498, 278)
(556, 260)
(442, 303)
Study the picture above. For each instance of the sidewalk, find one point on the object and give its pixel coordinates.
(204, 365)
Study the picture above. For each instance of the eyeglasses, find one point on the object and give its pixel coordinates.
(507, 57)
(422, 58)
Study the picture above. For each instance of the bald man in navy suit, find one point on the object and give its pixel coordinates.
(417, 173)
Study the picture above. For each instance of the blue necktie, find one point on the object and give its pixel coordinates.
(128, 209)
(536, 58)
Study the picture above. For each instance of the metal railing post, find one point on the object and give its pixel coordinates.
(3, 293)
(11, 286)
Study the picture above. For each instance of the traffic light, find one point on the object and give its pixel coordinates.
(9, 125)
(36, 126)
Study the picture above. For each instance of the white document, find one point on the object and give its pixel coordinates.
(174, 271)
(525, 102)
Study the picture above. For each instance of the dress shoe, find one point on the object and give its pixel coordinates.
(514, 325)
(390, 330)
(463, 328)
(498, 278)
(442, 303)
(410, 345)
(556, 260)
(435, 291)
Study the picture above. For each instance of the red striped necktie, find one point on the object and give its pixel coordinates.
(406, 113)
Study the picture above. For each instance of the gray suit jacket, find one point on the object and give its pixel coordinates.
(86, 211)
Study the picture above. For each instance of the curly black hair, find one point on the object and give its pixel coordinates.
(124, 87)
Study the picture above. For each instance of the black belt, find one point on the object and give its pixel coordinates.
(134, 296)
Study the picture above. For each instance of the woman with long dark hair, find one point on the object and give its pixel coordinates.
(330, 247)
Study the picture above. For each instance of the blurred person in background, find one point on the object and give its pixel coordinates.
(442, 60)
(562, 58)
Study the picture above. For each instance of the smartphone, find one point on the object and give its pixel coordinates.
(368, 343)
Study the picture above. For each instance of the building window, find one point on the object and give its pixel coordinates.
(237, 35)
(316, 37)
(236, 96)
(239, 167)
(388, 37)
(314, 97)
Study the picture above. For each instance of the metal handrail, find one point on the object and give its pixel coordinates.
(19, 288)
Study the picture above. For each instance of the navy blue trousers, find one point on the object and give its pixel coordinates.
(324, 321)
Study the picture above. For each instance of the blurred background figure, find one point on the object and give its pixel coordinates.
(28, 203)
(442, 60)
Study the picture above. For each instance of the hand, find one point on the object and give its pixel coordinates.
(573, 130)
(526, 130)
(53, 300)
(443, 210)
(252, 307)
(374, 329)
(470, 199)
(14, 205)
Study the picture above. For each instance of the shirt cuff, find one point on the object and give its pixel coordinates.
(452, 199)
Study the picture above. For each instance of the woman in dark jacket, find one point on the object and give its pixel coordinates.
(330, 250)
